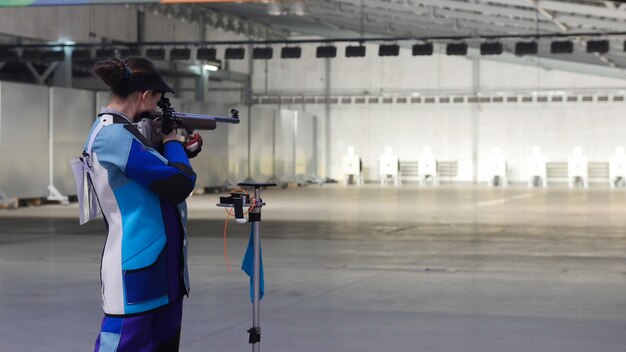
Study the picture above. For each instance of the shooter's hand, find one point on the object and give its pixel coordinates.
(170, 136)
(193, 146)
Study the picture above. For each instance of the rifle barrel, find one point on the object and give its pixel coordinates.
(184, 115)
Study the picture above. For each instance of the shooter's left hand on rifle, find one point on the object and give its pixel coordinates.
(193, 145)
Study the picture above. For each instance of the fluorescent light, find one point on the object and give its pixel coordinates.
(210, 67)
(63, 41)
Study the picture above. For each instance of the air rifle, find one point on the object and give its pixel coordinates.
(153, 125)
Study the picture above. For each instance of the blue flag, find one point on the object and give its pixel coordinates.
(248, 266)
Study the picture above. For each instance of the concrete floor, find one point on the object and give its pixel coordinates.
(458, 268)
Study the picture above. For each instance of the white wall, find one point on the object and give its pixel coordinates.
(498, 75)
(369, 128)
(597, 127)
(514, 127)
(555, 127)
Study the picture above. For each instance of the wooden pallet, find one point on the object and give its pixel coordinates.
(11, 203)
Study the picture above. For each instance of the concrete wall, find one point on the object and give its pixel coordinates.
(24, 140)
(26, 113)
(282, 146)
(211, 165)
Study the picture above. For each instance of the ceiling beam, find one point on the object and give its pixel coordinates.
(433, 13)
(475, 26)
(485, 13)
(544, 13)
(568, 7)
(384, 25)
(107, 2)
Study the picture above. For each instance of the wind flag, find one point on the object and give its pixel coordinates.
(248, 266)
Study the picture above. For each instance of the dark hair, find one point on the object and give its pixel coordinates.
(115, 72)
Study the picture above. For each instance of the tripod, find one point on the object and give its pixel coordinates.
(238, 201)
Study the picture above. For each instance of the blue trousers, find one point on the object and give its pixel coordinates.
(155, 331)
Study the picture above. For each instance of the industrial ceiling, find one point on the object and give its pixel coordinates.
(438, 20)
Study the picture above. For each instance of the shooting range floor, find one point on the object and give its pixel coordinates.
(457, 268)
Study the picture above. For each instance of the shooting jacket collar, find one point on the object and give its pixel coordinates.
(105, 110)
